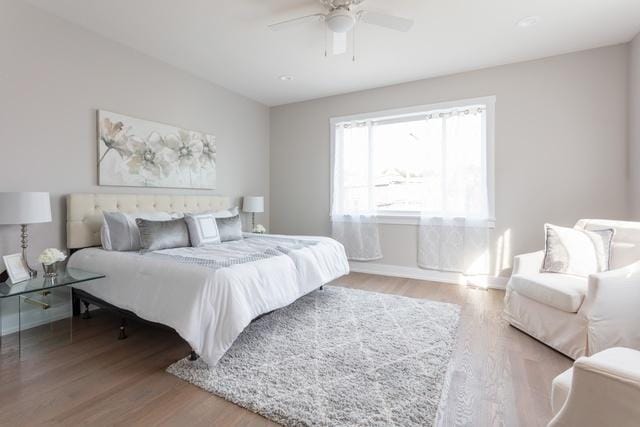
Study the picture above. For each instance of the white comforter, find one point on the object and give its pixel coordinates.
(209, 295)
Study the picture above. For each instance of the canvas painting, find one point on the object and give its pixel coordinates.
(141, 153)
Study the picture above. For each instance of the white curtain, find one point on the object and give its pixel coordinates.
(453, 244)
(353, 219)
(359, 235)
(453, 234)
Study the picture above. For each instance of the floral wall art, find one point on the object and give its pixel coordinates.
(140, 153)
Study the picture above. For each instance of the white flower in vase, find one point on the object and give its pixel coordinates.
(259, 228)
(51, 256)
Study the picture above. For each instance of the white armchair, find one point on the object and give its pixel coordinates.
(601, 390)
(580, 316)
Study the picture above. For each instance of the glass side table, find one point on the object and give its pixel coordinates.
(38, 312)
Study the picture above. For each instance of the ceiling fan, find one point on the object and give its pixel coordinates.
(342, 17)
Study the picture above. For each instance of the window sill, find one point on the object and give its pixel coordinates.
(398, 219)
(411, 219)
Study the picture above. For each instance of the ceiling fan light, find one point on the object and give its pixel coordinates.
(340, 21)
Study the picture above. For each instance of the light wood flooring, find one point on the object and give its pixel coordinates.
(501, 377)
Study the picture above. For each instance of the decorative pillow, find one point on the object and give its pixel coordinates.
(156, 235)
(105, 239)
(226, 213)
(229, 228)
(203, 229)
(575, 251)
(119, 230)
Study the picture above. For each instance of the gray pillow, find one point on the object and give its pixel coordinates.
(156, 235)
(119, 231)
(229, 228)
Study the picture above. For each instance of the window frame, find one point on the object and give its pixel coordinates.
(411, 217)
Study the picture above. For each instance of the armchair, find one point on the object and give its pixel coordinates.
(580, 316)
(601, 390)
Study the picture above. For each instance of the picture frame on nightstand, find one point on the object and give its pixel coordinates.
(16, 268)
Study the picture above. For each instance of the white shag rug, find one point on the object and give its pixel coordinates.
(338, 357)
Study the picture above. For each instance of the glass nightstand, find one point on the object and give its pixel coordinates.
(38, 312)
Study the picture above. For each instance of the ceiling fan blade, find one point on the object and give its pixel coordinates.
(387, 21)
(339, 43)
(285, 25)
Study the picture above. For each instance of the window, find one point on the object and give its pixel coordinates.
(431, 160)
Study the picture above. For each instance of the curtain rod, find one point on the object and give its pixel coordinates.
(415, 116)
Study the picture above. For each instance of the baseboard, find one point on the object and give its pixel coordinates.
(491, 282)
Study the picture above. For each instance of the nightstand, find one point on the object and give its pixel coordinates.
(38, 307)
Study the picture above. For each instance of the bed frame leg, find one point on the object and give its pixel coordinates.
(123, 334)
(193, 356)
(75, 305)
(86, 314)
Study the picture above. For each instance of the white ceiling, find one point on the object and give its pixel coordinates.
(228, 43)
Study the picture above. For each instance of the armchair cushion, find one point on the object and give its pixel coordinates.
(562, 291)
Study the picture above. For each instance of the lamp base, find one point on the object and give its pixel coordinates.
(24, 237)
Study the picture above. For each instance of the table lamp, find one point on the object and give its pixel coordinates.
(23, 208)
(253, 205)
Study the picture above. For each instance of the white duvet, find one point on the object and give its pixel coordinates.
(210, 294)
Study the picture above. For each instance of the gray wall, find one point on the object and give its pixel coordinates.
(634, 126)
(53, 77)
(561, 146)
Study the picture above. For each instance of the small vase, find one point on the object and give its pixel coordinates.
(50, 270)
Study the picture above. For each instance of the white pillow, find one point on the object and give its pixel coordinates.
(105, 239)
(226, 213)
(575, 251)
(203, 229)
(119, 231)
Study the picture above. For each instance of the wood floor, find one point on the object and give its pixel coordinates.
(500, 376)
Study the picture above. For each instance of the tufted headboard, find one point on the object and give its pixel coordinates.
(84, 211)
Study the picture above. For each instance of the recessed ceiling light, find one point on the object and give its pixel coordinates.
(286, 78)
(528, 21)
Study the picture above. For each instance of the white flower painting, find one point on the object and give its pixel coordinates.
(140, 153)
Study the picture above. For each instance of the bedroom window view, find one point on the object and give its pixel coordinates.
(430, 166)
(431, 162)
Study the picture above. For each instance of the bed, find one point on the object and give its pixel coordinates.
(208, 295)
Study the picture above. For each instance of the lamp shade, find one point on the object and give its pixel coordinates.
(253, 204)
(25, 208)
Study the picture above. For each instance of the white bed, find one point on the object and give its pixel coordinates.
(208, 295)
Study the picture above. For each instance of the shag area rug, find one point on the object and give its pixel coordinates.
(338, 357)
